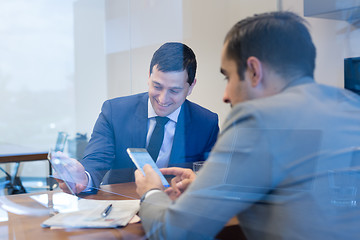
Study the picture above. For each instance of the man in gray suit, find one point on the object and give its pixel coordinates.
(282, 148)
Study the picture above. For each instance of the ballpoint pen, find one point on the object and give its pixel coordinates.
(107, 210)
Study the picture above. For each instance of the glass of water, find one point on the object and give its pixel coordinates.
(343, 187)
(197, 166)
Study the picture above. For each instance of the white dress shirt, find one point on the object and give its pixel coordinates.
(165, 150)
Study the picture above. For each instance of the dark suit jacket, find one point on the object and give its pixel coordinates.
(122, 124)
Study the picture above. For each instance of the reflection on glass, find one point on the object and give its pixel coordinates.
(343, 187)
(3, 216)
(61, 202)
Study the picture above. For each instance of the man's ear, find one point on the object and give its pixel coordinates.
(191, 87)
(255, 69)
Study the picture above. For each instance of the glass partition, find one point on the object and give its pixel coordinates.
(61, 60)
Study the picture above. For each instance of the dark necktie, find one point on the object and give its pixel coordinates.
(157, 137)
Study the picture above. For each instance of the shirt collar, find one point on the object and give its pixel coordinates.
(173, 116)
(299, 81)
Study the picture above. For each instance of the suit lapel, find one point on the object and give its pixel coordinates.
(139, 126)
(178, 151)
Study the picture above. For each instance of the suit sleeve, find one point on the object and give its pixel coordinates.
(100, 152)
(198, 213)
(213, 135)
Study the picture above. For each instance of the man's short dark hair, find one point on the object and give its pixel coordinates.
(175, 57)
(279, 39)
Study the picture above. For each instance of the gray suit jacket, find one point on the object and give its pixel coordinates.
(270, 167)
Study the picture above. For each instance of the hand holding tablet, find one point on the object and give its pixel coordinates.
(69, 172)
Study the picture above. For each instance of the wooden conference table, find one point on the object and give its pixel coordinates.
(22, 226)
(16, 153)
(12, 153)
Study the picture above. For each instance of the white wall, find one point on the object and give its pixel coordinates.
(331, 38)
(205, 30)
(90, 62)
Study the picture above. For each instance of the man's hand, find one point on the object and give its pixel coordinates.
(151, 180)
(74, 174)
(183, 178)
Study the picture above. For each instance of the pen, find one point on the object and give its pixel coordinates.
(106, 211)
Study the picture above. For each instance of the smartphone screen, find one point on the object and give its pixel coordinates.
(140, 157)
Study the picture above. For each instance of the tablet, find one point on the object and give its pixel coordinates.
(140, 157)
(59, 165)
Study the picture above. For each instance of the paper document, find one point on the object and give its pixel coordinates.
(90, 215)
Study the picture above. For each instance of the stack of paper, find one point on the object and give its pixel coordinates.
(89, 214)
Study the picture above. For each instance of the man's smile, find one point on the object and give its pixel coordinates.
(162, 105)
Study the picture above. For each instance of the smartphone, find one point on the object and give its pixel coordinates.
(140, 157)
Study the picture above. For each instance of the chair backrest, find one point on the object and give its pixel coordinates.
(61, 141)
(77, 145)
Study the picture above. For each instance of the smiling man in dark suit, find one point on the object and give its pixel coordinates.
(128, 122)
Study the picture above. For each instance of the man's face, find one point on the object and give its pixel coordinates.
(168, 90)
(237, 90)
